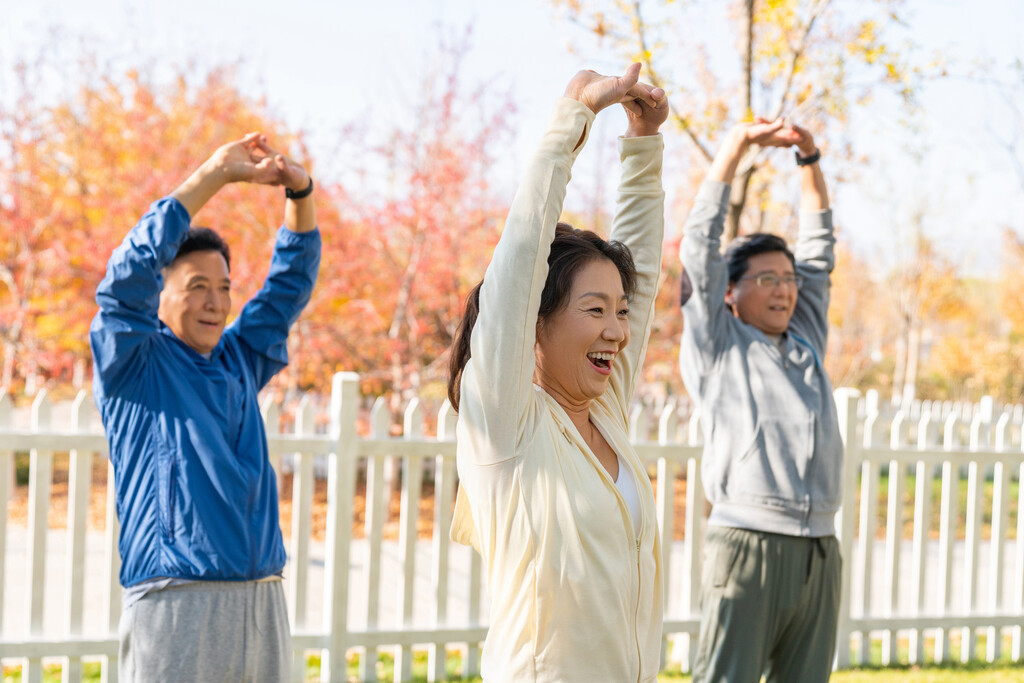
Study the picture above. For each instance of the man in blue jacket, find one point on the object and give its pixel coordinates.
(200, 543)
(755, 326)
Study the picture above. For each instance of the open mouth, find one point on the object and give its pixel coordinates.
(601, 361)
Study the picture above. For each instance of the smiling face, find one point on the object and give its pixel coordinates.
(577, 345)
(769, 309)
(196, 299)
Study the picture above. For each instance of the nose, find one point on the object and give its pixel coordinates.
(616, 330)
(214, 300)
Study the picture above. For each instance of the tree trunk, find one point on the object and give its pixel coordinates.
(746, 48)
(913, 354)
(8, 375)
(738, 195)
(737, 200)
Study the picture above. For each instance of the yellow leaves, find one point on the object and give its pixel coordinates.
(866, 44)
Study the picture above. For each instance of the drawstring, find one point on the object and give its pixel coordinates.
(255, 608)
(820, 547)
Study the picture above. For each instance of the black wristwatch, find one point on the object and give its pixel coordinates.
(291, 194)
(807, 161)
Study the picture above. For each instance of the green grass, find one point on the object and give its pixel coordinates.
(976, 672)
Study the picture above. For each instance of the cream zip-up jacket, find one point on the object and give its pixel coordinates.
(575, 594)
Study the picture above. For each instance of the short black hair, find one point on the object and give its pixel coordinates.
(203, 239)
(738, 254)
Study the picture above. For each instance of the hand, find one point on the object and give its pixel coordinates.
(645, 119)
(806, 145)
(243, 161)
(598, 91)
(290, 174)
(766, 133)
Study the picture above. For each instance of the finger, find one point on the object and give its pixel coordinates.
(632, 75)
(644, 92)
(633, 107)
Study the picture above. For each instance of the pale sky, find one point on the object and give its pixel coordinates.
(323, 64)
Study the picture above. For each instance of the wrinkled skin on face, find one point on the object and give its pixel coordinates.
(769, 309)
(577, 346)
(196, 299)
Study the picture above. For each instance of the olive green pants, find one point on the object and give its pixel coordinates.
(769, 606)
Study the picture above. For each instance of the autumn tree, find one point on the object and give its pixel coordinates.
(77, 172)
(814, 61)
(425, 229)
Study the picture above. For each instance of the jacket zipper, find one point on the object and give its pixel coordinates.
(637, 537)
(636, 611)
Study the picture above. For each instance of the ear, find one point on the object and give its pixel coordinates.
(730, 297)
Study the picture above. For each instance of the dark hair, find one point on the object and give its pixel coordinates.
(203, 239)
(571, 250)
(741, 250)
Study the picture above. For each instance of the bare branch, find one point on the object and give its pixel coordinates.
(655, 80)
(798, 50)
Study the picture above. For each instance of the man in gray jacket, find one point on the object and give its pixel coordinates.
(751, 356)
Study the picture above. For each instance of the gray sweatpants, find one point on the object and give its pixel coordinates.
(207, 631)
(769, 605)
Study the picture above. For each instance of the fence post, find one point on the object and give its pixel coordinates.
(846, 405)
(378, 492)
(79, 483)
(412, 483)
(444, 490)
(341, 485)
(6, 486)
(666, 505)
(39, 483)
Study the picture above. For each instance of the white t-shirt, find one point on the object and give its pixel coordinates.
(627, 487)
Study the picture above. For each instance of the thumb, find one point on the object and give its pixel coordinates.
(632, 75)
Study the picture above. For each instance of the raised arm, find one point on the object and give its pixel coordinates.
(814, 251)
(265, 319)
(129, 294)
(640, 224)
(700, 250)
(497, 381)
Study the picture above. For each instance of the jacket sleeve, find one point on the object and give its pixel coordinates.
(129, 294)
(640, 225)
(263, 324)
(705, 317)
(497, 381)
(815, 259)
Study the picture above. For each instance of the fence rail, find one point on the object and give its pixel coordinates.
(932, 535)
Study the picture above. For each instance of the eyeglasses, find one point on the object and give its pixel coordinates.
(771, 280)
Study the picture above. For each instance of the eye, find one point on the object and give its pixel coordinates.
(623, 313)
(597, 309)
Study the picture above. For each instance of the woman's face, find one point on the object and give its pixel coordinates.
(578, 345)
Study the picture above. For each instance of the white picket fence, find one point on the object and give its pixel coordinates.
(60, 600)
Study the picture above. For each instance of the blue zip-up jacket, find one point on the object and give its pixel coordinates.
(196, 495)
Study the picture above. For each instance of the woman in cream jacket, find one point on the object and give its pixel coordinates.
(552, 494)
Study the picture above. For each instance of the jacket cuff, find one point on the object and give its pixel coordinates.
(570, 121)
(641, 160)
(714, 192)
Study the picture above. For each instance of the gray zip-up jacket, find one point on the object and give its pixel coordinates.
(773, 455)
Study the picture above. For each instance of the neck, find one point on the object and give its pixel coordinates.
(577, 410)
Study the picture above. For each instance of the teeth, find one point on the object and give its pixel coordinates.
(601, 356)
